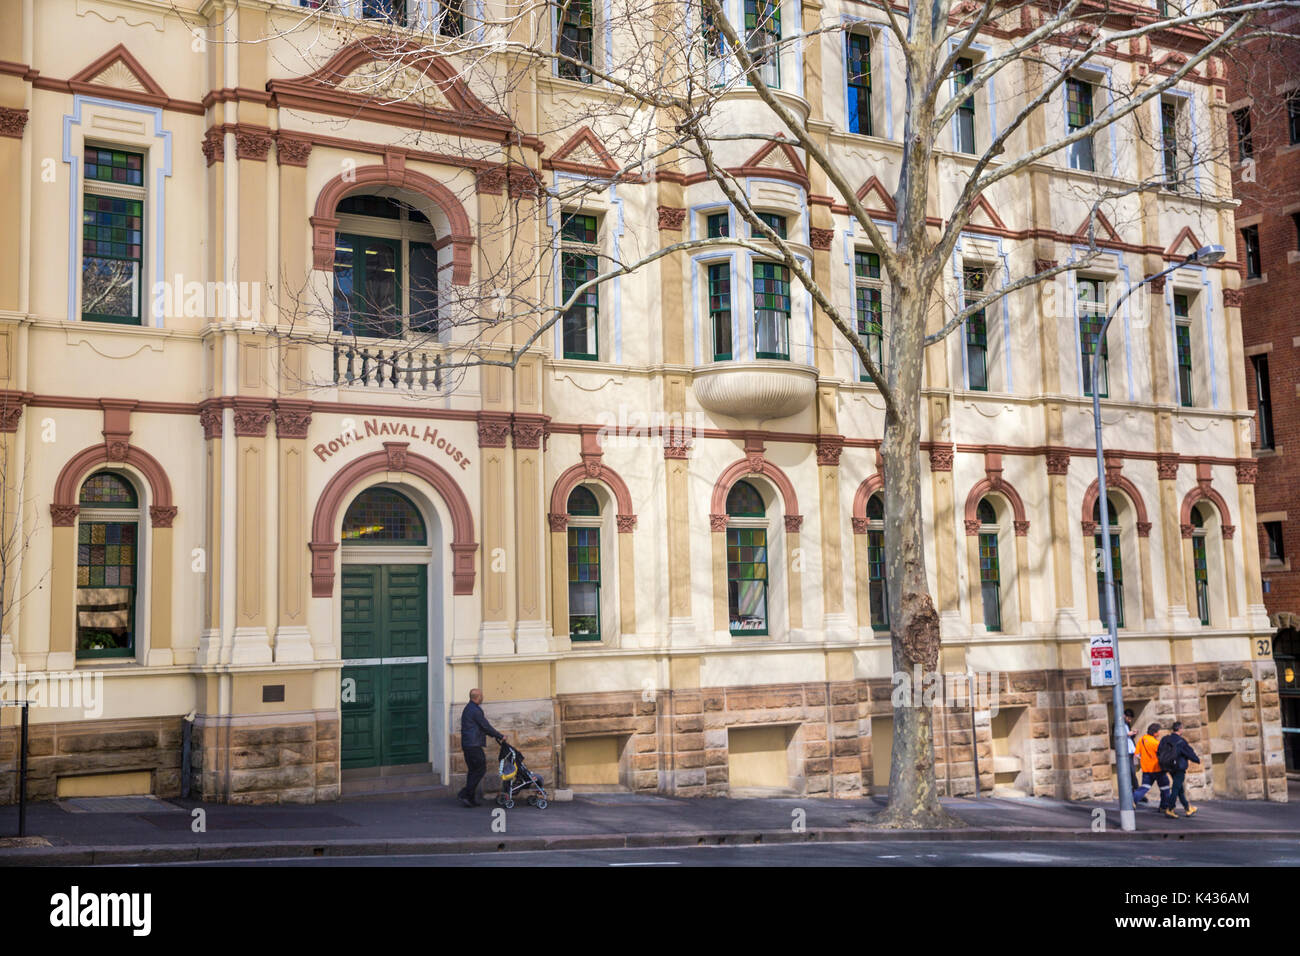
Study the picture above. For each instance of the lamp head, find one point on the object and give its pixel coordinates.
(1207, 254)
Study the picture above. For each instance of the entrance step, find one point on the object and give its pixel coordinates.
(401, 781)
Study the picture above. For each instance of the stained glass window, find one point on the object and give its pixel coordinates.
(876, 569)
(107, 554)
(870, 308)
(381, 515)
(720, 310)
(112, 243)
(114, 166)
(584, 582)
(583, 502)
(744, 501)
(774, 222)
(771, 310)
(747, 580)
(107, 490)
(718, 225)
(1200, 566)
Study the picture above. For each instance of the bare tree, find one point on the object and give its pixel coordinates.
(659, 104)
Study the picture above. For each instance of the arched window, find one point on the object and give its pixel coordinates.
(1116, 562)
(584, 565)
(385, 269)
(876, 583)
(382, 516)
(990, 578)
(746, 560)
(1200, 573)
(108, 559)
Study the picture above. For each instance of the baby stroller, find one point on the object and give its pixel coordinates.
(516, 777)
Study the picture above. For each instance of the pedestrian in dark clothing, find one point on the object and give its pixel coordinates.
(1147, 747)
(474, 731)
(1183, 753)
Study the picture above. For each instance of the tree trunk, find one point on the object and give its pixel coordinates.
(914, 622)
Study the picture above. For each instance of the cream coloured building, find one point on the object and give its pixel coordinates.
(258, 517)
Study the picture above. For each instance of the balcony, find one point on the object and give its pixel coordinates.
(395, 369)
(759, 390)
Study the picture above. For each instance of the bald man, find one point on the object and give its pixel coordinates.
(474, 731)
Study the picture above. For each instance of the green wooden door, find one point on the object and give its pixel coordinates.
(385, 653)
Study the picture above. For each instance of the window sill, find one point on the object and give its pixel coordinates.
(1274, 452)
(1260, 279)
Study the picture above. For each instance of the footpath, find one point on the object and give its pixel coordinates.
(119, 830)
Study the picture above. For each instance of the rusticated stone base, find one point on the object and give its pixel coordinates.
(77, 748)
(266, 758)
(1044, 733)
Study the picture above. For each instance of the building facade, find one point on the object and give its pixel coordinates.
(1264, 103)
(293, 528)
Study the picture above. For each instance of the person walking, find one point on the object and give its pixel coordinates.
(1183, 753)
(1147, 748)
(474, 731)
(1132, 749)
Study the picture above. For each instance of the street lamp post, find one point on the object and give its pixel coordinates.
(1127, 818)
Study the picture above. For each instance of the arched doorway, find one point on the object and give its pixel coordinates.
(388, 597)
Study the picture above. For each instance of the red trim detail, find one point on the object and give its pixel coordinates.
(868, 488)
(1116, 483)
(1001, 487)
(79, 466)
(1186, 233)
(1195, 495)
(323, 544)
(743, 468)
(577, 474)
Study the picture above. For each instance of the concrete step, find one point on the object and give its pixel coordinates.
(406, 781)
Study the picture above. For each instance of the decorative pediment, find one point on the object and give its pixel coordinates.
(1102, 228)
(873, 195)
(777, 159)
(118, 70)
(583, 153)
(396, 82)
(983, 214)
(389, 82)
(1184, 244)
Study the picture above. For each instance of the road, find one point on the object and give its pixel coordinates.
(892, 853)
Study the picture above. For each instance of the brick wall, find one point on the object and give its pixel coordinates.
(1269, 315)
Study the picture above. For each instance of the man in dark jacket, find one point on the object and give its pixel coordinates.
(474, 731)
(1183, 752)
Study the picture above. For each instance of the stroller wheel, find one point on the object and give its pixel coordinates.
(510, 804)
(501, 799)
(540, 804)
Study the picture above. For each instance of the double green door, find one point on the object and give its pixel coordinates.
(385, 702)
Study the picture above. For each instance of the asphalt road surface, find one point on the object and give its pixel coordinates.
(893, 853)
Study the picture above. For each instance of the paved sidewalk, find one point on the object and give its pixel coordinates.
(146, 830)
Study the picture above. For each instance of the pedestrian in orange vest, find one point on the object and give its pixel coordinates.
(1151, 772)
